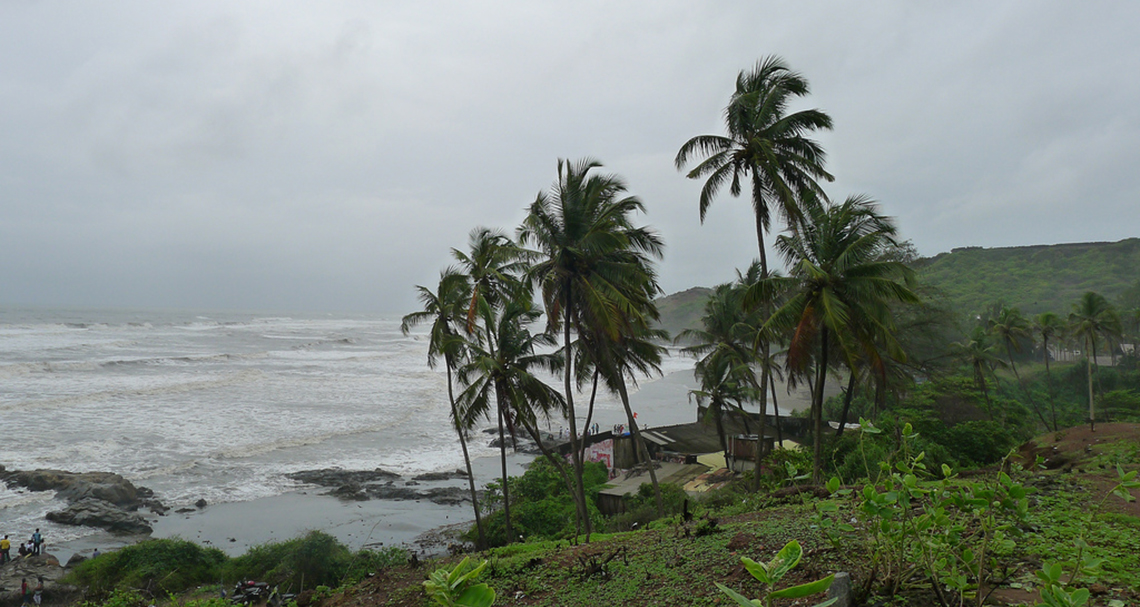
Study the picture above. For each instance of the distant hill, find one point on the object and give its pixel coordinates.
(1045, 278)
(683, 310)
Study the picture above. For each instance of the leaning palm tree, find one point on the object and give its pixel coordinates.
(767, 146)
(1049, 326)
(978, 352)
(443, 308)
(504, 380)
(726, 385)
(492, 266)
(1093, 318)
(635, 352)
(590, 266)
(1011, 328)
(842, 287)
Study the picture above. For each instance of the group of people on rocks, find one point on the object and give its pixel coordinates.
(33, 547)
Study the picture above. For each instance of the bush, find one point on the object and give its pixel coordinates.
(313, 560)
(159, 566)
(641, 507)
(541, 505)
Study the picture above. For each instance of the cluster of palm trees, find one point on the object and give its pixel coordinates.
(1092, 322)
(834, 308)
(579, 253)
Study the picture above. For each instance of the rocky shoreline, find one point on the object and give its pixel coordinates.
(361, 485)
(96, 499)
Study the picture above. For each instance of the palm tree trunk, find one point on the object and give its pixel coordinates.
(847, 398)
(466, 461)
(817, 410)
(1049, 378)
(590, 414)
(641, 446)
(503, 459)
(776, 412)
(583, 512)
(556, 460)
(1092, 410)
(1024, 390)
(763, 418)
(718, 412)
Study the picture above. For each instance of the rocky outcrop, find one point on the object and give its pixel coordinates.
(441, 476)
(360, 485)
(97, 499)
(95, 512)
(34, 568)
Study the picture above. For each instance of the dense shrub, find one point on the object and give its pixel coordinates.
(641, 507)
(159, 566)
(317, 559)
(541, 505)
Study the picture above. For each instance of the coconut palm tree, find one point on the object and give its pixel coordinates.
(1093, 318)
(978, 352)
(444, 309)
(842, 286)
(590, 266)
(767, 146)
(493, 267)
(726, 385)
(504, 379)
(1048, 326)
(1011, 328)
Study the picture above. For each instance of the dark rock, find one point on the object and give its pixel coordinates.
(841, 590)
(411, 483)
(441, 476)
(350, 491)
(201, 503)
(447, 496)
(99, 513)
(336, 477)
(522, 445)
(76, 486)
(184, 510)
(75, 560)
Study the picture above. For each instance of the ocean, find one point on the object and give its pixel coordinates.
(221, 405)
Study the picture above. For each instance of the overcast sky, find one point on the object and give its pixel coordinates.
(327, 155)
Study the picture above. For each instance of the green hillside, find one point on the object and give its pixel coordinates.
(1035, 279)
(683, 310)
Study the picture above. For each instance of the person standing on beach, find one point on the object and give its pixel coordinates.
(39, 594)
(37, 541)
(5, 547)
(23, 591)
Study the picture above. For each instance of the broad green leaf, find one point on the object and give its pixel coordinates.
(795, 592)
(740, 599)
(787, 558)
(1079, 597)
(833, 484)
(479, 595)
(758, 570)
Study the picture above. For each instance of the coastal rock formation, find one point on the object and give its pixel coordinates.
(441, 476)
(33, 568)
(335, 477)
(95, 512)
(97, 499)
(74, 486)
(360, 485)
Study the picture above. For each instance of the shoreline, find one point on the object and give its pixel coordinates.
(235, 527)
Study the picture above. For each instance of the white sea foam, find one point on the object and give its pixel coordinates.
(219, 406)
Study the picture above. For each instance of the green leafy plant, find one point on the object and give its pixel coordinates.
(456, 587)
(772, 572)
(948, 533)
(1055, 593)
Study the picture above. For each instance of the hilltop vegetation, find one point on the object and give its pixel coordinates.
(1046, 278)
